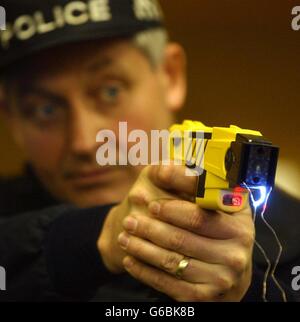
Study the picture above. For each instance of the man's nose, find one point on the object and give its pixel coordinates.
(84, 125)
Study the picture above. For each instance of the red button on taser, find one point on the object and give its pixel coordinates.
(239, 189)
(232, 199)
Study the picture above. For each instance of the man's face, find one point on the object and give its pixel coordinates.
(73, 92)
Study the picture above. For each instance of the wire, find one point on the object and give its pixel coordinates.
(269, 264)
(279, 247)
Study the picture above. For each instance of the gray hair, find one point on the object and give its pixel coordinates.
(152, 43)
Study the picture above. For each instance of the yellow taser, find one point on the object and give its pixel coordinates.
(229, 162)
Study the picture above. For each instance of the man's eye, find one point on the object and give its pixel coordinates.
(46, 111)
(110, 94)
(43, 113)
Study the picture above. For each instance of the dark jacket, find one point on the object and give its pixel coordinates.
(48, 249)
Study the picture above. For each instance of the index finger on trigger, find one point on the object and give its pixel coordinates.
(173, 177)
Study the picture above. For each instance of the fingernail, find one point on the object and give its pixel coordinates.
(154, 207)
(130, 224)
(127, 262)
(123, 240)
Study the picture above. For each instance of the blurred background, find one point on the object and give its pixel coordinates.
(243, 69)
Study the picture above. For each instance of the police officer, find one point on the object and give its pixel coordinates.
(71, 230)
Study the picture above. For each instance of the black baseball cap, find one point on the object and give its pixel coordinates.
(33, 25)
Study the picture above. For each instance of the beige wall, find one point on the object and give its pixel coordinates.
(244, 69)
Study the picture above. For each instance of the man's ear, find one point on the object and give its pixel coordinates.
(174, 68)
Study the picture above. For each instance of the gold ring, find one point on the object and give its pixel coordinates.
(183, 264)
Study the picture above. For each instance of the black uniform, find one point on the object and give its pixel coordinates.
(49, 249)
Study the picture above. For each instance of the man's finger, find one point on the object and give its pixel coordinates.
(190, 216)
(174, 178)
(168, 261)
(162, 234)
(179, 290)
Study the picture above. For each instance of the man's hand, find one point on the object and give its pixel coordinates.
(219, 248)
(162, 229)
(145, 190)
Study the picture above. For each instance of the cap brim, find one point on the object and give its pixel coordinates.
(71, 35)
